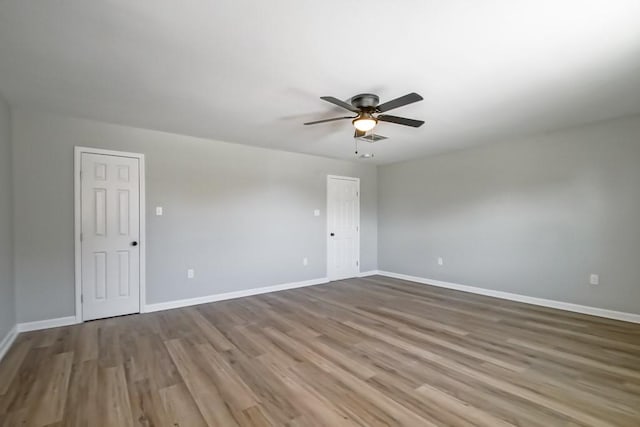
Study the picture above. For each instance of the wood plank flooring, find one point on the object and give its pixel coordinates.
(359, 352)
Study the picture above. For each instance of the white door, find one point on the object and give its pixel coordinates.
(343, 222)
(110, 215)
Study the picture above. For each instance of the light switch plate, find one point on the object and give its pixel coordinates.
(316, 212)
(158, 210)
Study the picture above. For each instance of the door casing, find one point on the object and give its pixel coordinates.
(78, 151)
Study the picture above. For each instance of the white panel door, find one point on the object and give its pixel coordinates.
(110, 215)
(343, 222)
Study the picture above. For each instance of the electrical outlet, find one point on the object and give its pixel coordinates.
(440, 261)
(191, 273)
(305, 261)
(594, 279)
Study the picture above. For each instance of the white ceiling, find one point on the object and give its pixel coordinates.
(253, 71)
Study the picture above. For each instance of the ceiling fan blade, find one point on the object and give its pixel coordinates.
(340, 103)
(400, 120)
(399, 102)
(329, 120)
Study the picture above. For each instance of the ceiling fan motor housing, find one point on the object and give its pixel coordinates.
(365, 101)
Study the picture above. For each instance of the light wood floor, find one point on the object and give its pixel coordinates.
(372, 351)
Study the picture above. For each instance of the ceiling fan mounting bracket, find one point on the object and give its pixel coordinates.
(365, 101)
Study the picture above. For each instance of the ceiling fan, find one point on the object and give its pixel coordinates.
(368, 109)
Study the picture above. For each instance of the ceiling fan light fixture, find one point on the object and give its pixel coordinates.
(365, 122)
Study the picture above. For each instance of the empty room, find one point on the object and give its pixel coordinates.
(329, 213)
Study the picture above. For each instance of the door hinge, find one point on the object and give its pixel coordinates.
(81, 298)
(81, 236)
(357, 263)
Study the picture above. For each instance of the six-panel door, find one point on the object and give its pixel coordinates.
(110, 212)
(343, 214)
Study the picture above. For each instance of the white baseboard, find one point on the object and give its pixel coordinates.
(368, 273)
(72, 320)
(231, 295)
(584, 309)
(6, 342)
(46, 324)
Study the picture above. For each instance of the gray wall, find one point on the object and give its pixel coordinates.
(533, 217)
(241, 216)
(7, 298)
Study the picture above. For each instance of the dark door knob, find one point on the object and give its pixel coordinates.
(134, 243)
(332, 234)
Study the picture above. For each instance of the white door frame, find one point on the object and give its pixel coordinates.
(78, 151)
(348, 178)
